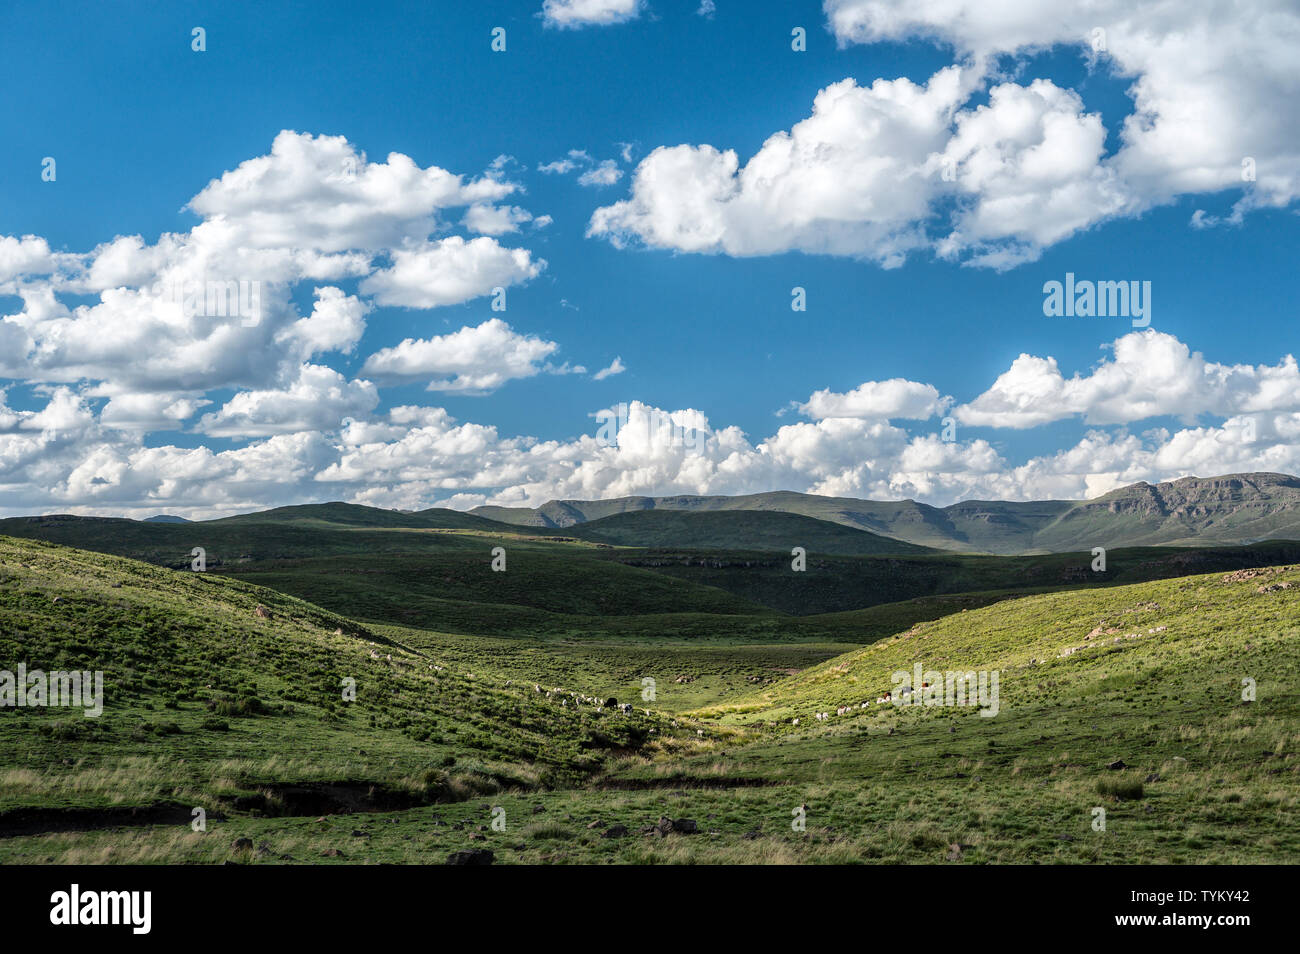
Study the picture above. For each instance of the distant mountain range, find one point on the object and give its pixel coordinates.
(1237, 509)
(1233, 509)
(430, 568)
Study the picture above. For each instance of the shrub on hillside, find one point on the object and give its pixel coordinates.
(1121, 789)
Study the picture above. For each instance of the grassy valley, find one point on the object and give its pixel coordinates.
(210, 704)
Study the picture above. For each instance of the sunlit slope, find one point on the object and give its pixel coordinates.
(213, 687)
(1172, 646)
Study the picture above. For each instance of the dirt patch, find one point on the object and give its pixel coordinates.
(40, 821)
(325, 798)
(279, 800)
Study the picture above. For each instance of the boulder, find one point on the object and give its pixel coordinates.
(680, 826)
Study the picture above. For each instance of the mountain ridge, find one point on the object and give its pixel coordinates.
(1229, 509)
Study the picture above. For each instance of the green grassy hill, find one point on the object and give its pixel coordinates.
(353, 515)
(285, 533)
(371, 565)
(216, 690)
(1197, 633)
(737, 530)
(1121, 705)
(840, 583)
(543, 590)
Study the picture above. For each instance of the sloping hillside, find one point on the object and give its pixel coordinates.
(1168, 643)
(544, 590)
(442, 578)
(214, 689)
(1155, 723)
(839, 583)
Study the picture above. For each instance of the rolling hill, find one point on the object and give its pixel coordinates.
(282, 533)
(338, 514)
(215, 689)
(432, 570)
(738, 530)
(1200, 633)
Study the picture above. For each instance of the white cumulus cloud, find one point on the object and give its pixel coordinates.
(572, 14)
(475, 359)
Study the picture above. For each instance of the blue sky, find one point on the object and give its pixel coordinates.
(139, 123)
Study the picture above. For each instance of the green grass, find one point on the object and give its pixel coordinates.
(184, 654)
(841, 583)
